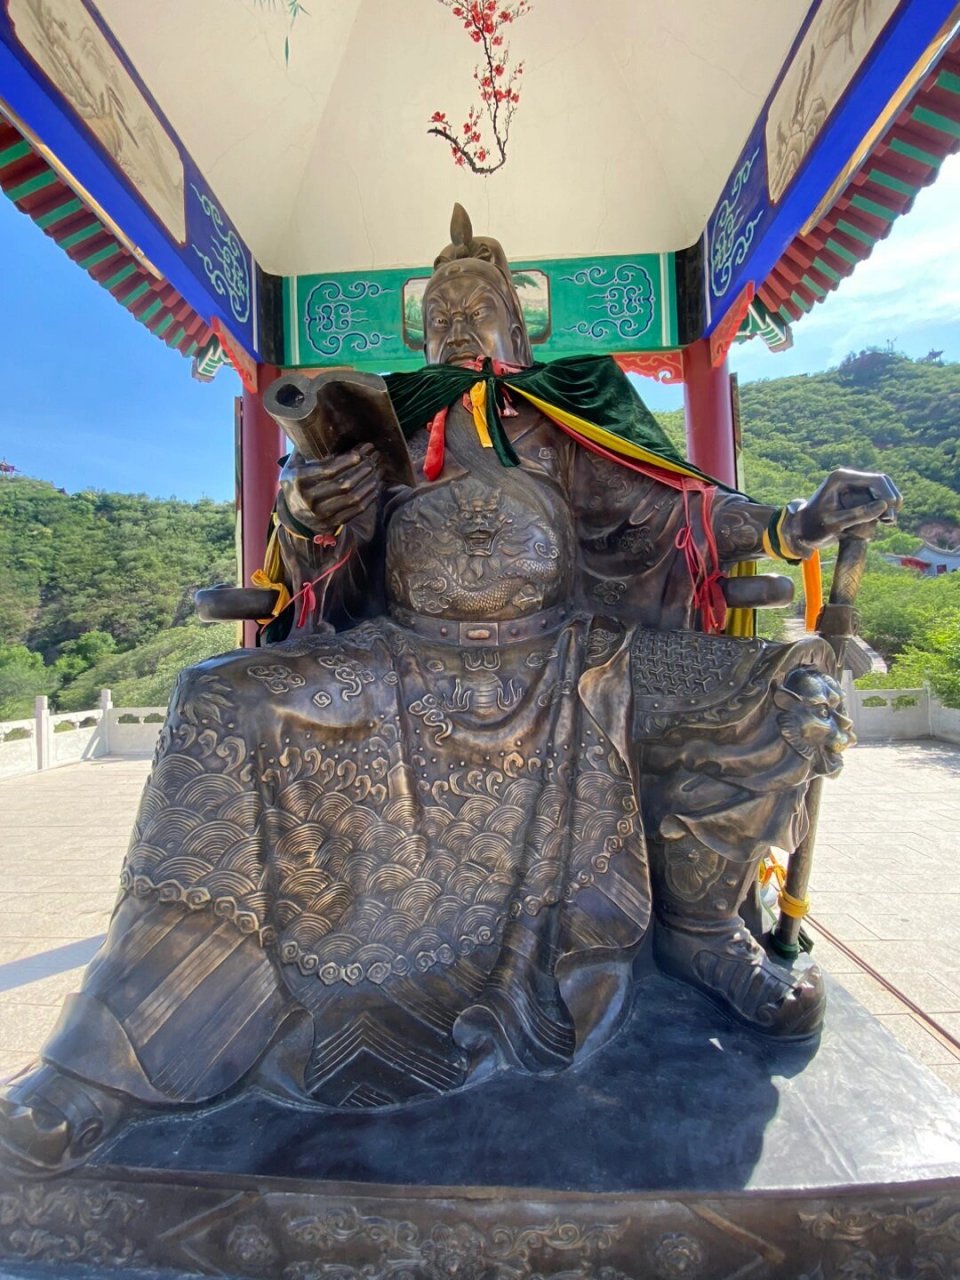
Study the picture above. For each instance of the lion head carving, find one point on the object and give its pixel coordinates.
(812, 717)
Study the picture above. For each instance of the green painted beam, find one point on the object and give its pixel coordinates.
(136, 294)
(870, 206)
(92, 229)
(892, 184)
(856, 234)
(800, 302)
(814, 287)
(19, 151)
(175, 339)
(916, 153)
(841, 252)
(821, 266)
(62, 211)
(163, 326)
(948, 80)
(151, 311)
(923, 115)
(100, 256)
(36, 183)
(118, 277)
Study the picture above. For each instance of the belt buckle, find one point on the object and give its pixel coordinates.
(476, 633)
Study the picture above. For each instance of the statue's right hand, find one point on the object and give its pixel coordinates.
(326, 494)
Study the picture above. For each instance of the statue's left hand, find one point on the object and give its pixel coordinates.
(848, 502)
(325, 494)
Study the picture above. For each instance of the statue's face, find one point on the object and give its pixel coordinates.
(466, 318)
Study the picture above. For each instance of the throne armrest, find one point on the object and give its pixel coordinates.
(234, 604)
(759, 591)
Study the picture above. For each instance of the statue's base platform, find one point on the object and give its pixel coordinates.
(684, 1148)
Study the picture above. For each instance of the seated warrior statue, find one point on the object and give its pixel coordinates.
(423, 837)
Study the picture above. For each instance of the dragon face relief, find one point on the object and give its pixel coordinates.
(812, 718)
(480, 518)
(469, 550)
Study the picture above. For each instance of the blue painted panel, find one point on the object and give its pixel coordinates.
(747, 233)
(227, 263)
(213, 270)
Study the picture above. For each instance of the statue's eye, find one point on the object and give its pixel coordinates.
(439, 322)
(823, 712)
(479, 312)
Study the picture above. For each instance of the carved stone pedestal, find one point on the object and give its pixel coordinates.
(685, 1148)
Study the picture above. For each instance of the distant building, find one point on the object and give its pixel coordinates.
(930, 560)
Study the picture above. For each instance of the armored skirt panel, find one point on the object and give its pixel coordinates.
(395, 854)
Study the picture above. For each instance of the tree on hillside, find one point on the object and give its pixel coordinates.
(23, 677)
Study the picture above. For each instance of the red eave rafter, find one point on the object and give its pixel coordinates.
(908, 155)
(36, 190)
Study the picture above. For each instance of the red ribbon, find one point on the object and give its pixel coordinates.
(307, 596)
(433, 462)
(704, 571)
(437, 426)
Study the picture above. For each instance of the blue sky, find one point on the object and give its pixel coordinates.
(92, 400)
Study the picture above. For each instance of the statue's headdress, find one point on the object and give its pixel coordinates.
(485, 257)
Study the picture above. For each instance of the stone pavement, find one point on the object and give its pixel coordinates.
(884, 886)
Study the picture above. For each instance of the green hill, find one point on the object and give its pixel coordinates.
(877, 411)
(97, 588)
(89, 577)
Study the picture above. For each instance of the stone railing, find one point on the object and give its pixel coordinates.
(889, 714)
(48, 740)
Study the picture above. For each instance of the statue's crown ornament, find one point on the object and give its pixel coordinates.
(484, 256)
(464, 244)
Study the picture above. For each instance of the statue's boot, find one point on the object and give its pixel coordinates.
(175, 1008)
(700, 938)
(52, 1121)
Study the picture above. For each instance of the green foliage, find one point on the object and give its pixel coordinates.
(878, 411)
(92, 577)
(930, 656)
(896, 542)
(899, 607)
(145, 676)
(77, 656)
(122, 564)
(22, 677)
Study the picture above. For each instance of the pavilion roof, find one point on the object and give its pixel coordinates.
(242, 176)
(906, 157)
(34, 186)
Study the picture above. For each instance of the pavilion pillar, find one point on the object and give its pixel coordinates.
(261, 443)
(708, 409)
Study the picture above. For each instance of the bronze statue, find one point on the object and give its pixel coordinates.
(422, 837)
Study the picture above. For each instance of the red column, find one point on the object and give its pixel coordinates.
(708, 408)
(261, 444)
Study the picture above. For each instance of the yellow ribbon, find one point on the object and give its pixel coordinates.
(796, 908)
(260, 579)
(269, 575)
(742, 622)
(615, 443)
(478, 402)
